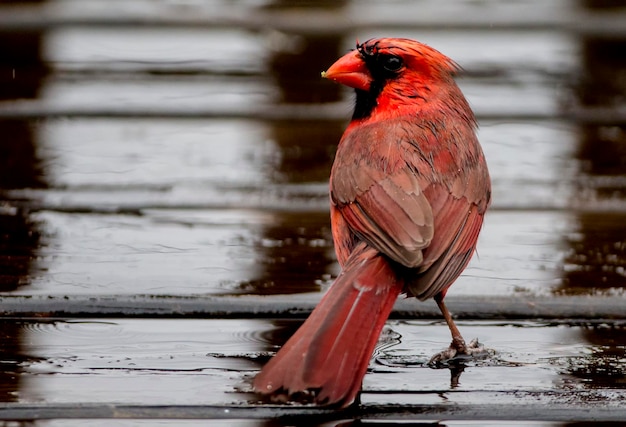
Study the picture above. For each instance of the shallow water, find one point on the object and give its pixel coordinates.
(209, 362)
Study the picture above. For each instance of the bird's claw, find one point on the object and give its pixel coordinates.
(458, 351)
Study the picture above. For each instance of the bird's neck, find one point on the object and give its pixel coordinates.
(366, 102)
(416, 99)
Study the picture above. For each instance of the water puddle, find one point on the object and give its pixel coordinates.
(210, 362)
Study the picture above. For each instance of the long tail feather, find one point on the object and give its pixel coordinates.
(326, 359)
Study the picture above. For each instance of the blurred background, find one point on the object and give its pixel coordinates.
(182, 148)
(205, 126)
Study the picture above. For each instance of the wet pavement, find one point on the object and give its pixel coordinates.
(164, 213)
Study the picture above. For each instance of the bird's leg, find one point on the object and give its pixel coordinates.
(457, 339)
(458, 346)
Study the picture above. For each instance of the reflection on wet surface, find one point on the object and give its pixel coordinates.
(206, 353)
(97, 201)
(210, 362)
(222, 252)
(295, 255)
(596, 261)
(20, 241)
(10, 359)
(306, 150)
(21, 74)
(604, 365)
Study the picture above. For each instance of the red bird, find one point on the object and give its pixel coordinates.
(408, 189)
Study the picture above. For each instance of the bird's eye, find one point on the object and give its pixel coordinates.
(391, 63)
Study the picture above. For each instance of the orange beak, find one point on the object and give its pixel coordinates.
(350, 70)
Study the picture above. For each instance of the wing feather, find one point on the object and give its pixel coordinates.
(370, 212)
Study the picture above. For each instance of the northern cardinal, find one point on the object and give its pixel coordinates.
(408, 189)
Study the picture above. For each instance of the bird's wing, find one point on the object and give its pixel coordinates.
(382, 202)
(397, 202)
(458, 223)
(459, 199)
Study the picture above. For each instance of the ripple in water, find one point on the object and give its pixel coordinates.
(77, 329)
(144, 346)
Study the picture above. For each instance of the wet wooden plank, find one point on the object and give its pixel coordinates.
(206, 365)
(266, 252)
(215, 164)
(234, 252)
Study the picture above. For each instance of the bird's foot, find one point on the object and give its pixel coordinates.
(459, 351)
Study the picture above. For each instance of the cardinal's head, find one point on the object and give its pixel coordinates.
(392, 72)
